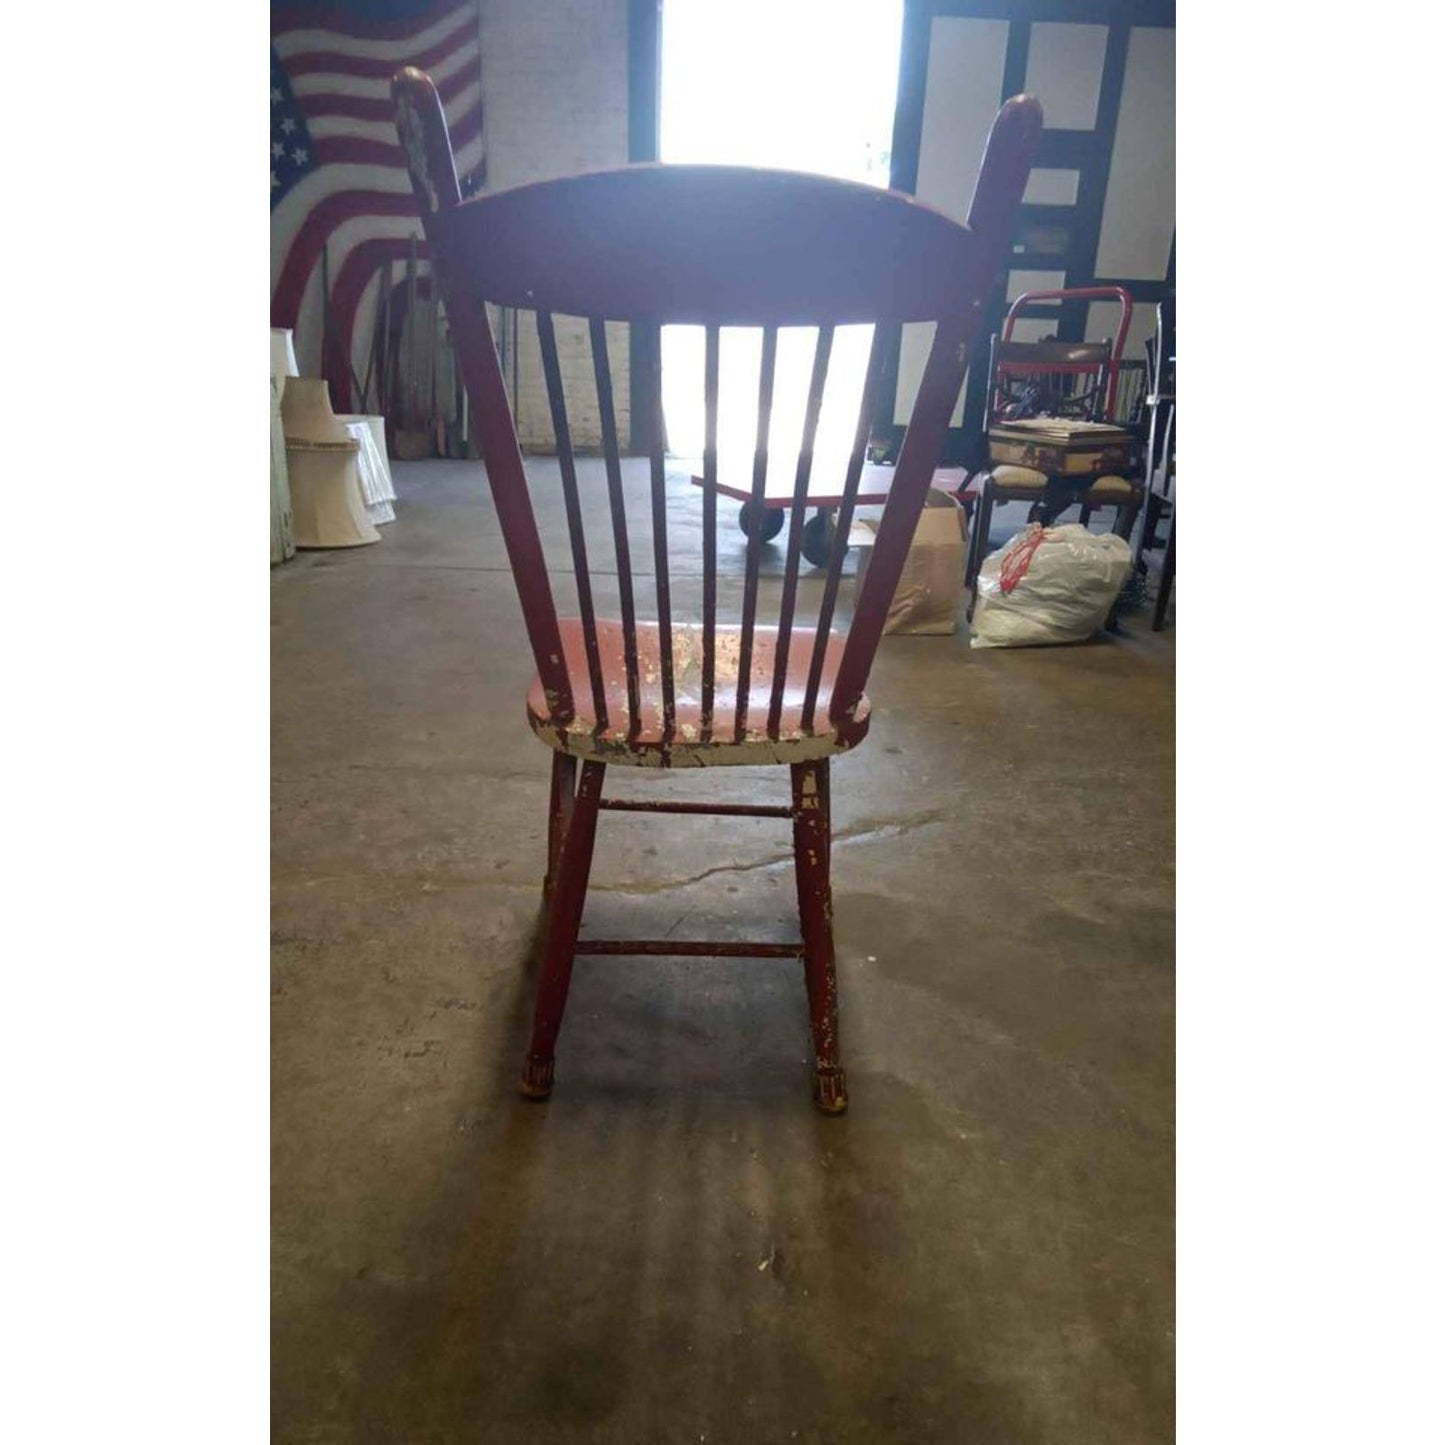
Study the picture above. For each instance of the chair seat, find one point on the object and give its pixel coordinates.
(646, 745)
(1101, 491)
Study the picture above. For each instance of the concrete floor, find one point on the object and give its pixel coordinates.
(677, 1247)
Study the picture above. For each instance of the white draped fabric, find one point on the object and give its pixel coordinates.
(377, 490)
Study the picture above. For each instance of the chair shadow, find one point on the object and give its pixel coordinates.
(676, 1239)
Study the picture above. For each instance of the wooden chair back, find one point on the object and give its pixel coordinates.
(713, 246)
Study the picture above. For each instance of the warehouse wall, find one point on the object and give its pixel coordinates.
(1104, 177)
(554, 89)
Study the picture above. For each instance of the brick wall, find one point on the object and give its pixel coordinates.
(554, 90)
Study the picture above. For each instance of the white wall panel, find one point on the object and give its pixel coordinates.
(960, 99)
(1065, 68)
(1033, 328)
(1138, 222)
(1103, 325)
(1048, 187)
(1021, 281)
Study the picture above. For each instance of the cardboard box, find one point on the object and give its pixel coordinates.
(931, 583)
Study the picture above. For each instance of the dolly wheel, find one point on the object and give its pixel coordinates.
(772, 521)
(818, 535)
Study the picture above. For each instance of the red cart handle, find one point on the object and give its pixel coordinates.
(1084, 293)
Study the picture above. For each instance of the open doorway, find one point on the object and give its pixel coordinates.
(806, 85)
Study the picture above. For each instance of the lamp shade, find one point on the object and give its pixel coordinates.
(307, 416)
(283, 357)
(326, 505)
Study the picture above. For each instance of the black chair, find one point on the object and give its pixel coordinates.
(1159, 477)
(1078, 381)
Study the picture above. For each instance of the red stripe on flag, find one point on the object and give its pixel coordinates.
(340, 150)
(349, 150)
(361, 107)
(350, 286)
(454, 24)
(325, 217)
(329, 62)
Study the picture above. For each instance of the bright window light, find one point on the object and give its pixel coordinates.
(805, 85)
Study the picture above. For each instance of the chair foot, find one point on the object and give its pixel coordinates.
(830, 1091)
(536, 1080)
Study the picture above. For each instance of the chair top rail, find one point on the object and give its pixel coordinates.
(1052, 355)
(717, 245)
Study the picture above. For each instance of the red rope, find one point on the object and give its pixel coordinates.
(1015, 562)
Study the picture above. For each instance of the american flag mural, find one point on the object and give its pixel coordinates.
(338, 177)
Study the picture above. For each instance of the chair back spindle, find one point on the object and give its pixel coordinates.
(767, 370)
(712, 346)
(607, 414)
(822, 351)
(659, 540)
(842, 523)
(552, 372)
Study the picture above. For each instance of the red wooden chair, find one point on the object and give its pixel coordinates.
(713, 246)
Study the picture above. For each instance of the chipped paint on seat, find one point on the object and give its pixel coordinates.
(690, 746)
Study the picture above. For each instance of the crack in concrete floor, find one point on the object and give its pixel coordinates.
(858, 834)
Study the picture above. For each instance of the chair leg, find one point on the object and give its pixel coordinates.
(978, 544)
(569, 891)
(1153, 509)
(559, 815)
(1166, 581)
(812, 848)
(1085, 512)
(975, 520)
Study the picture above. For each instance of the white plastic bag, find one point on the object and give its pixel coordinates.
(1050, 584)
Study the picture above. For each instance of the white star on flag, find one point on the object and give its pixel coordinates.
(274, 181)
(299, 156)
(288, 125)
(276, 96)
(277, 149)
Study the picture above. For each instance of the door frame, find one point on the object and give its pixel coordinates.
(644, 143)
